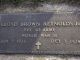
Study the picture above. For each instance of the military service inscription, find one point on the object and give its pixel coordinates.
(40, 33)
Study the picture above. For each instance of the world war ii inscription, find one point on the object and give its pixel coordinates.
(40, 33)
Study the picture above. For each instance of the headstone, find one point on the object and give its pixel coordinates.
(40, 33)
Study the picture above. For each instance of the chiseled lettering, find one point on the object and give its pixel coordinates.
(29, 35)
(29, 24)
(57, 41)
(77, 23)
(27, 29)
(4, 24)
(4, 41)
(45, 35)
(61, 23)
(75, 41)
(38, 29)
(48, 29)
(20, 41)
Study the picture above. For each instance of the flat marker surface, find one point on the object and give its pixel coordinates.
(40, 33)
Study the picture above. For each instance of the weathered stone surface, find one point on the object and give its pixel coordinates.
(40, 57)
(40, 33)
(45, 8)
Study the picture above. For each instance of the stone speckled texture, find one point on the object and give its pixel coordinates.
(45, 8)
(38, 57)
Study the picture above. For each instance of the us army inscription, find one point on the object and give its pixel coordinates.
(40, 33)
